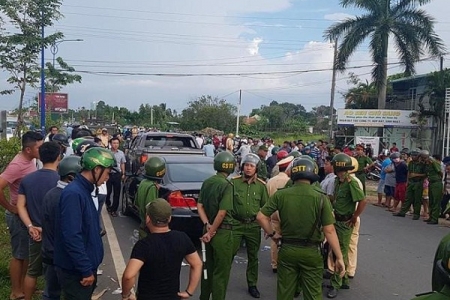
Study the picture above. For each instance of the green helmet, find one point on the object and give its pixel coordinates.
(415, 153)
(69, 165)
(275, 150)
(251, 159)
(97, 156)
(342, 162)
(295, 154)
(424, 153)
(77, 141)
(224, 162)
(155, 168)
(351, 147)
(303, 168)
(84, 145)
(307, 157)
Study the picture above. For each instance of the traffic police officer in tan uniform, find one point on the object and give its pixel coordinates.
(304, 215)
(250, 194)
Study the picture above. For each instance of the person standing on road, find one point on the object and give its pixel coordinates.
(304, 214)
(364, 163)
(250, 194)
(209, 148)
(243, 150)
(67, 170)
(22, 165)
(78, 246)
(435, 187)
(262, 172)
(104, 137)
(347, 194)
(229, 143)
(215, 203)
(114, 183)
(414, 189)
(29, 207)
(148, 189)
(157, 259)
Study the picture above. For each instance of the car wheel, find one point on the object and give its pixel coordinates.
(126, 210)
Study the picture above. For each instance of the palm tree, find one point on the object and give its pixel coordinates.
(411, 28)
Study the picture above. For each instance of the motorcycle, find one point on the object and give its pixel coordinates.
(375, 173)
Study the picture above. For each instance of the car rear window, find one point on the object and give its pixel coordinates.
(190, 172)
(173, 141)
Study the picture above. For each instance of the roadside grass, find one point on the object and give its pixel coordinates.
(5, 256)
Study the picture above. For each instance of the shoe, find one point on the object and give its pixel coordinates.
(274, 270)
(416, 218)
(351, 277)
(345, 287)
(427, 220)
(433, 223)
(327, 275)
(332, 293)
(253, 291)
(297, 294)
(399, 215)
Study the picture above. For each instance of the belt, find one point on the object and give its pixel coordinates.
(247, 221)
(342, 218)
(226, 226)
(300, 242)
(416, 180)
(359, 172)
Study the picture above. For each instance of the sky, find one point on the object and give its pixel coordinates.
(151, 52)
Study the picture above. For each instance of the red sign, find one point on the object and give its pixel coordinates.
(55, 102)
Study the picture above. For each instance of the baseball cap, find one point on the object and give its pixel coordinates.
(159, 211)
(285, 161)
(104, 129)
(263, 147)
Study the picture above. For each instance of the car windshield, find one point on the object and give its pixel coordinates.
(178, 172)
(169, 141)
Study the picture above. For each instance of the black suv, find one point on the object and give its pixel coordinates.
(180, 187)
(148, 144)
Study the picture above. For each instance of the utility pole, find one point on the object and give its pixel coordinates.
(238, 112)
(151, 116)
(333, 88)
(442, 64)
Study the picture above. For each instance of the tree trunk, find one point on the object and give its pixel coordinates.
(20, 122)
(383, 86)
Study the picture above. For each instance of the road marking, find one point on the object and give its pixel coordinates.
(117, 256)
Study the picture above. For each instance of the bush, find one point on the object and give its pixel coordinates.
(8, 149)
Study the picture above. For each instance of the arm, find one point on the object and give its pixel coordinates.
(3, 202)
(330, 233)
(195, 273)
(129, 277)
(202, 215)
(35, 232)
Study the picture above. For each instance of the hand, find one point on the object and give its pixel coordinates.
(183, 295)
(206, 238)
(276, 238)
(339, 267)
(352, 221)
(88, 281)
(35, 233)
(123, 177)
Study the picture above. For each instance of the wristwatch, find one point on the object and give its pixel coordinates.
(271, 235)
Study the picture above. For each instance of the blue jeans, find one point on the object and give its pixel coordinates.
(52, 289)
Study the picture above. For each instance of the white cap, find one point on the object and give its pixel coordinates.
(285, 160)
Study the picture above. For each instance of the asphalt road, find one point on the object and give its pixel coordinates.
(395, 260)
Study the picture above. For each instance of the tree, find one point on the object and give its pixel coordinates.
(363, 95)
(412, 30)
(57, 78)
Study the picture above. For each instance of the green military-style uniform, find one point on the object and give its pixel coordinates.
(249, 197)
(146, 193)
(262, 170)
(414, 189)
(363, 161)
(346, 194)
(216, 194)
(435, 188)
(300, 258)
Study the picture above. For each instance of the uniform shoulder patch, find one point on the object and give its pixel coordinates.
(260, 180)
(236, 177)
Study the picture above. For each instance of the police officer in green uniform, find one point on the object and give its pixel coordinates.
(214, 208)
(250, 194)
(304, 215)
(262, 166)
(435, 188)
(414, 190)
(154, 168)
(346, 194)
(364, 163)
(441, 273)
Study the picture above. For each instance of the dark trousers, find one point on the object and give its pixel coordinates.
(444, 203)
(321, 174)
(72, 288)
(113, 186)
(52, 289)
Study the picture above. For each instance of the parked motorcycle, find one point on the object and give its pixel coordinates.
(375, 172)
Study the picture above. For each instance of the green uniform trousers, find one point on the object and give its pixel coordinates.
(219, 257)
(344, 234)
(362, 178)
(435, 190)
(251, 234)
(299, 265)
(444, 294)
(414, 192)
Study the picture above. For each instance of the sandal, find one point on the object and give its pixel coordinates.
(378, 204)
(113, 214)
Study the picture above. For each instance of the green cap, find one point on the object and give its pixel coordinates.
(159, 211)
(263, 147)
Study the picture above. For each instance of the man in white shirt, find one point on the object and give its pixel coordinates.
(327, 184)
(199, 140)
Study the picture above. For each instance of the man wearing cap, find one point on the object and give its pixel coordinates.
(104, 137)
(250, 194)
(275, 183)
(364, 163)
(262, 166)
(158, 257)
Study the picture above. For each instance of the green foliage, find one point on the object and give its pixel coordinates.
(363, 95)
(8, 149)
(438, 82)
(59, 76)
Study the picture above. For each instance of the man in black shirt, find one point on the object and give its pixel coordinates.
(158, 257)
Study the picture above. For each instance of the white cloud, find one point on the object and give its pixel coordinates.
(253, 49)
(337, 16)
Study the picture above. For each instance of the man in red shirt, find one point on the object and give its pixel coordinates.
(394, 148)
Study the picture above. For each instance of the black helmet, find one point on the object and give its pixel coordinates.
(251, 158)
(61, 139)
(85, 145)
(69, 165)
(224, 162)
(395, 155)
(155, 168)
(342, 162)
(303, 168)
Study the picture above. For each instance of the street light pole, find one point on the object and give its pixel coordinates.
(43, 76)
(54, 48)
